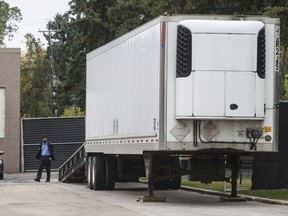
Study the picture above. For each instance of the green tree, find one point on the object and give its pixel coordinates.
(91, 20)
(125, 15)
(73, 111)
(67, 50)
(282, 13)
(57, 35)
(9, 17)
(83, 28)
(90, 24)
(35, 80)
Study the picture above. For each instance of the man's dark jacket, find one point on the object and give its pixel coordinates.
(51, 149)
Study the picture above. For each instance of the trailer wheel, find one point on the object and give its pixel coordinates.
(175, 182)
(98, 177)
(89, 173)
(110, 172)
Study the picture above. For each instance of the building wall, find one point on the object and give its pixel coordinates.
(10, 80)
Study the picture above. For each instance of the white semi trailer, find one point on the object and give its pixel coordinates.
(199, 88)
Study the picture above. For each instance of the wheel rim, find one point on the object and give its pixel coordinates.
(89, 173)
(93, 173)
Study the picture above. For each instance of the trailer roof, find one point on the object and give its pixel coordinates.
(223, 26)
(177, 18)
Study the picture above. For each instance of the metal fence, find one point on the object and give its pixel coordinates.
(246, 166)
(67, 134)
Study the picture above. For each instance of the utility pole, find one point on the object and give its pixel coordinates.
(53, 74)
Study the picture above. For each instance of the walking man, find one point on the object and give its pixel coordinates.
(45, 154)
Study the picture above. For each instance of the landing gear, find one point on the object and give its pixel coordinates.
(169, 168)
(235, 164)
(163, 169)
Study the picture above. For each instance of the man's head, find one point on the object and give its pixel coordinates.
(44, 138)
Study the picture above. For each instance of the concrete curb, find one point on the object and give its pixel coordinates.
(249, 198)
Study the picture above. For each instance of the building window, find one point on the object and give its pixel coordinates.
(2, 112)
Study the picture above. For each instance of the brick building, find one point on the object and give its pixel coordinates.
(10, 108)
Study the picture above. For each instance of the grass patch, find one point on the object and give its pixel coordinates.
(280, 194)
(218, 186)
(244, 189)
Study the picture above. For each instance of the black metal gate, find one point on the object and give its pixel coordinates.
(66, 134)
(270, 169)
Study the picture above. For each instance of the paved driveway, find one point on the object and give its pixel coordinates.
(20, 195)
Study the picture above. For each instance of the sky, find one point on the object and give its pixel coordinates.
(35, 16)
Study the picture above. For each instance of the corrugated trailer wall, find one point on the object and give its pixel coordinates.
(66, 134)
(123, 87)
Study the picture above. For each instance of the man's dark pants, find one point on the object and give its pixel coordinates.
(44, 162)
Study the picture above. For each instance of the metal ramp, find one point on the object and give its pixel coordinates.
(73, 169)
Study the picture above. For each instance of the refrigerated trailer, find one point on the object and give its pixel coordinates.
(203, 89)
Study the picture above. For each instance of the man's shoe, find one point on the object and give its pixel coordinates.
(47, 181)
(37, 180)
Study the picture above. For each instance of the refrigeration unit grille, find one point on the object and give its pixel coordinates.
(184, 49)
(261, 54)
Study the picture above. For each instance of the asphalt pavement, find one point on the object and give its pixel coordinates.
(20, 195)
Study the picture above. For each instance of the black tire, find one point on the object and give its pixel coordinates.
(110, 172)
(175, 182)
(98, 171)
(1, 176)
(89, 172)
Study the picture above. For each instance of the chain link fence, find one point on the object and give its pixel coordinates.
(246, 166)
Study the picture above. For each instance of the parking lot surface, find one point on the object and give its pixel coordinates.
(20, 195)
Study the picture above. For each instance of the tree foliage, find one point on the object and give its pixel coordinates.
(9, 17)
(282, 13)
(35, 80)
(73, 111)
